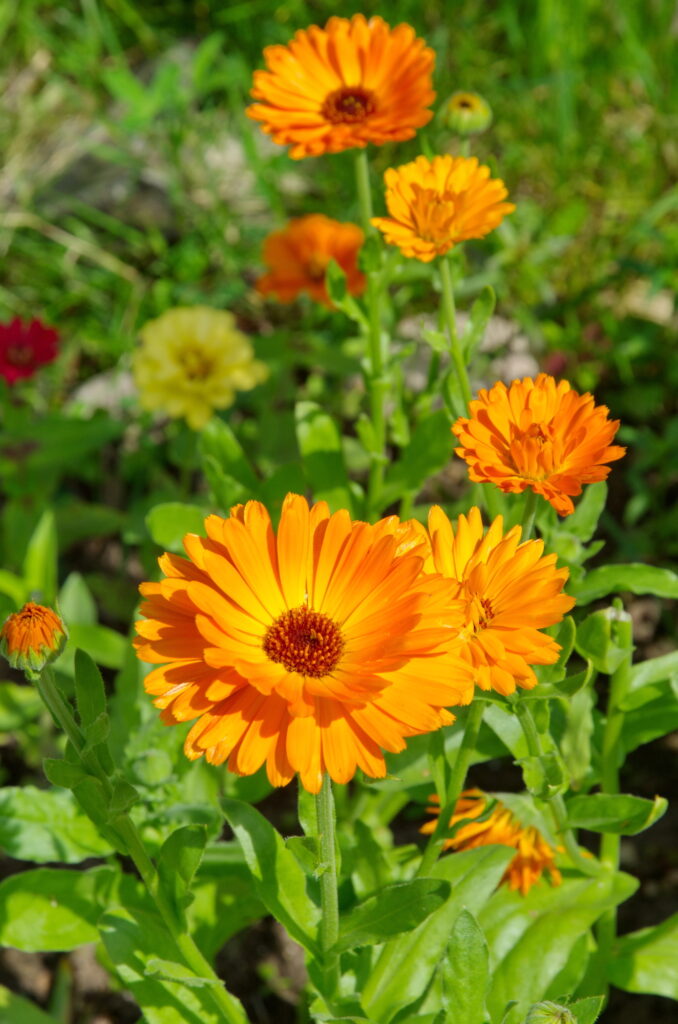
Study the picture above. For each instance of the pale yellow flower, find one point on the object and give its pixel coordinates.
(191, 361)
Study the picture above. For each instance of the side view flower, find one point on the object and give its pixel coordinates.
(534, 855)
(538, 434)
(191, 361)
(510, 592)
(434, 204)
(25, 346)
(32, 637)
(311, 650)
(298, 256)
(343, 86)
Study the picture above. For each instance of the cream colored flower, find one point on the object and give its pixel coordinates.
(191, 361)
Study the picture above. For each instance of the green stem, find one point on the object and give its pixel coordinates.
(529, 513)
(376, 381)
(329, 923)
(456, 785)
(449, 314)
(556, 802)
(606, 929)
(229, 1007)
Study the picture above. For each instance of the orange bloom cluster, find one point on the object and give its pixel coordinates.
(533, 856)
(311, 650)
(337, 88)
(32, 637)
(538, 434)
(433, 204)
(298, 257)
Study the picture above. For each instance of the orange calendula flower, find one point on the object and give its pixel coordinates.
(539, 434)
(342, 86)
(533, 854)
(299, 254)
(510, 592)
(311, 650)
(32, 637)
(433, 204)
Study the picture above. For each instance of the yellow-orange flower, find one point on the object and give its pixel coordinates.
(509, 591)
(299, 254)
(433, 204)
(533, 854)
(539, 434)
(311, 650)
(353, 82)
(32, 637)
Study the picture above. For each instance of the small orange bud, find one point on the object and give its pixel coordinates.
(32, 637)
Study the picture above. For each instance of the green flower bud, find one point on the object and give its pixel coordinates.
(466, 113)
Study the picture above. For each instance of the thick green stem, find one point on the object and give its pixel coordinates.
(556, 802)
(450, 317)
(229, 1007)
(329, 924)
(376, 381)
(456, 785)
(529, 513)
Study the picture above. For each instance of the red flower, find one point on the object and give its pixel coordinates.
(24, 347)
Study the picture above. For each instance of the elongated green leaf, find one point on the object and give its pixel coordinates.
(51, 910)
(619, 814)
(169, 523)
(595, 641)
(46, 825)
(481, 311)
(647, 960)
(170, 970)
(14, 586)
(322, 457)
(279, 880)
(657, 717)
(218, 441)
(429, 449)
(654, 670)
(584, 520)
(103, 644)
(89, 689)
(614, 579)
(15, 1009)
(178, 861)
(466, 972)
(40, 563)
(396, 908)
(76, 603)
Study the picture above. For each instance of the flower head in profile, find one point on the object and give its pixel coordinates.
(311, 650)
(499, 827)
(433, 204)
(538, 434)
(298, 256)
(25, 346)
(342, 86)
(191, 361)
(466, 113)
(32, 637)
(510, 592)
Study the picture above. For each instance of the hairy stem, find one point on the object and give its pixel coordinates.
(450, 317)
(329, 923)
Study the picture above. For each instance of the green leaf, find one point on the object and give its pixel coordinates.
(584, 520)
(466, 972)
(63, 773)
(481, 311)
(565, 635)
(218, 441)
(614, 579)
(595, 641)
(619, 814)
(51, 910)
(178, 861)
(588, 1009)
(655, 718)
(647, 960)
(279, 880)
(40, 562)
(90, 693)
(76, 603)
(104, 646)
(322, 457)
(575, 742)
(14, 586)
(169, 523)
(123, 797)
(429, 450)
(19, 706)
(544, 776)
(653, 671)
(46, 825)
(396, 908)
(170, 970)
(336, 283)
(15, 1009)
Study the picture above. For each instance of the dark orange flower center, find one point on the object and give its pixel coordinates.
(348, 105)
(480, 612)
(304, 641)
(316, 268)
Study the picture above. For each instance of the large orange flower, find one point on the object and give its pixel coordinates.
(353, 82)
(538, 434)
(309, 651)
(533, 854)
(433, 204)
(299, 254)
(509, 592)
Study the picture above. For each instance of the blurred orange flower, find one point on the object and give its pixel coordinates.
(298, 256)
(509, 592)
(533, 856)
(539, 434)
(433, 204)
(342, 86)
(311, 650)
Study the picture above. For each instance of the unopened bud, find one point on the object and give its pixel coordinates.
(466, 113)
(547, 1012)
(32, 637)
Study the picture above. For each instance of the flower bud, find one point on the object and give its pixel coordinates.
(547, 1012)
(466, 113)
(32, 637)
